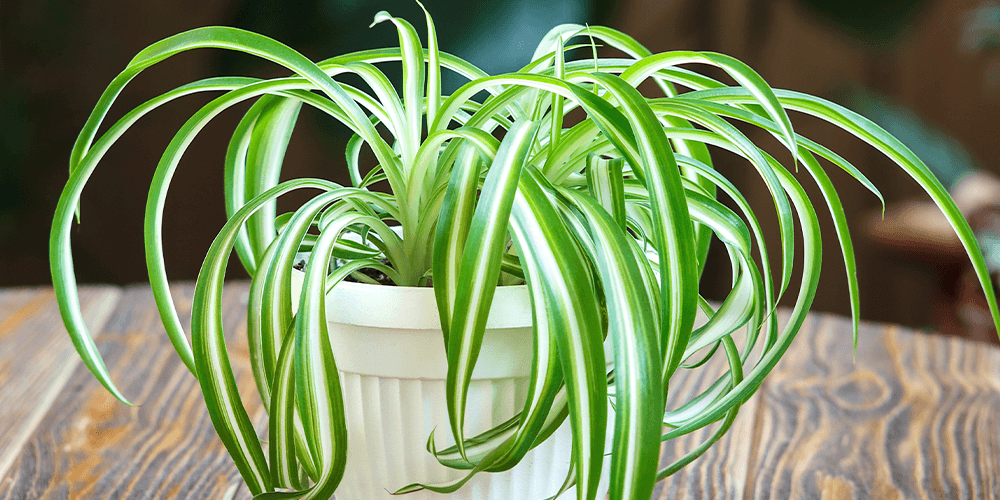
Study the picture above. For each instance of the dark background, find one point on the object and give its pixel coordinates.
(56, 57)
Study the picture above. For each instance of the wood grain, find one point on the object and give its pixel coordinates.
(914, 417)
(91, 446)
(31, 329)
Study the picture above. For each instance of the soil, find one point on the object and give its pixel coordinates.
(374, 274)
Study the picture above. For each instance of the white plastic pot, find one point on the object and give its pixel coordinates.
(389, 348)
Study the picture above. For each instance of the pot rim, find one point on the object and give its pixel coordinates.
(412, 308)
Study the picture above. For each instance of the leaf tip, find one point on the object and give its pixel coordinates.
(380, 17)
(410, 488)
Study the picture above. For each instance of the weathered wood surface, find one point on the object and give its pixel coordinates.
(37, 359)
(912, 418)
(89, 446)
(915, 417)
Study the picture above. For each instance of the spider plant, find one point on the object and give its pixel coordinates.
(607, 221)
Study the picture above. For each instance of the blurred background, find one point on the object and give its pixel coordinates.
(928, 70)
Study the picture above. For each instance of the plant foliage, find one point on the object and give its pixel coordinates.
(607, 220)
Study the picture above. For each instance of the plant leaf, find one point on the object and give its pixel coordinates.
(480, 269)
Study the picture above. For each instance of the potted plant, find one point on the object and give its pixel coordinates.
(556, 265)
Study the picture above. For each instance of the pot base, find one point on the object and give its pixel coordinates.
(387, 447)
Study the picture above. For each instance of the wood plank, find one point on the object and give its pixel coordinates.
(31, 329)
(914, 417)
(91, 446)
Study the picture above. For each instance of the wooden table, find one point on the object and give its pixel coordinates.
(913, 417)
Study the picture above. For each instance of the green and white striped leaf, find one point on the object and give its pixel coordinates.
(480, 268)
(555, 266)
(637, 365)
(218, 383)
(60, 254)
